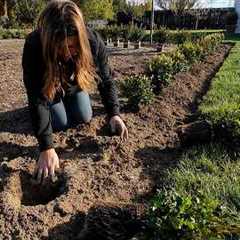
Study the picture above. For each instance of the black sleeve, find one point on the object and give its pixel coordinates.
(106, 85)
(39, 110)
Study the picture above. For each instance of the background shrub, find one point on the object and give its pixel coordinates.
(179, 62)
(138, 90)
(180, 36)
(192, 51)
(161, 69)
(210, 42)
(136, 34)
(161, 36)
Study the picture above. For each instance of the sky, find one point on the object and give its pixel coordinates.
(205, 3)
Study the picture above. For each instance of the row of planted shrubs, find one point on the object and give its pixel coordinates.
(161, 69)
(13, 33)
(162, 35)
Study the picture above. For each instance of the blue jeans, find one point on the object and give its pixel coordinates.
(71, 110)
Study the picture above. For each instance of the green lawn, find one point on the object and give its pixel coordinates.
(221, 105)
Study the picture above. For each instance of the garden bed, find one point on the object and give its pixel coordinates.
(104, 185)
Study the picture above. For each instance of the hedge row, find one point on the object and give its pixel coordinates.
(161, 69)
(160, 36)
(221, 105)
(13, 33)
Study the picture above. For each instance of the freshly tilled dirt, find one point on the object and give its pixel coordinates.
(103, 182)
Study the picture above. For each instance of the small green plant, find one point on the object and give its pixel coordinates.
(138, 90)
(161, 69)
(180, 36)
(175, 216)
(179, 62)
(12, 33)
(136, 34)
(210, 42)
(160, 36)
(192, 51)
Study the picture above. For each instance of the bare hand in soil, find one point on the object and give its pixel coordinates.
(47, 163)
(118, 126)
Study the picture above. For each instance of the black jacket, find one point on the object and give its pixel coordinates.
(33, 71)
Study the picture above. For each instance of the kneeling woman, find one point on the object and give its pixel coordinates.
(62, 61)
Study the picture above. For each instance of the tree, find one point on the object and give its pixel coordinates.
(6, 7)
(138, 10)
(27, 11)
(96, 9)
(119, 5)
(178, 6)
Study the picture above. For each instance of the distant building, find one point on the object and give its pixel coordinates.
(217, 3)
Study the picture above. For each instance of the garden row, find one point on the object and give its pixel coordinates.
(161, 69)
(135, 34)
(201, 197)
(131, 33)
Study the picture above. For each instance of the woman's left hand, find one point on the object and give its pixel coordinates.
(117, 125)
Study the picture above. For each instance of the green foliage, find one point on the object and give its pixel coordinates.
(179, 62)
(210, 42)
(180, 36)
(160, 36)
(221, 105)
(161, 69)
(136, 34)
(28, 11)
(96, 9)
(183, 217)
(138, 90)
(122, 32)
(203, 200)
(12, 33)
(192, 51)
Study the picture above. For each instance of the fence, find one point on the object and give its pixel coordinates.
(194, 19)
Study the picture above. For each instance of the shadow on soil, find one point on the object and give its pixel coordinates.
(117, 223)
(9, 151)
(101, 222)
(17, 121)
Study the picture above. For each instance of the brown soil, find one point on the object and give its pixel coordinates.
(103, 184)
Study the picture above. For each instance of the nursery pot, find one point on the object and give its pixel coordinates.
(159, 47)
(137, 45)
(126, 44)
(116, 43)
(108, 42)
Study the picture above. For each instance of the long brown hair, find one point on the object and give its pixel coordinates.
(54, 21)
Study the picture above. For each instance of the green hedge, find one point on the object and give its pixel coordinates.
(13, 33)
(162, 35)
(221, 105)
(162, 68)
(138, 90)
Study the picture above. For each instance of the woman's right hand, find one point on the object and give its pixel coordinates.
(47, 163)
